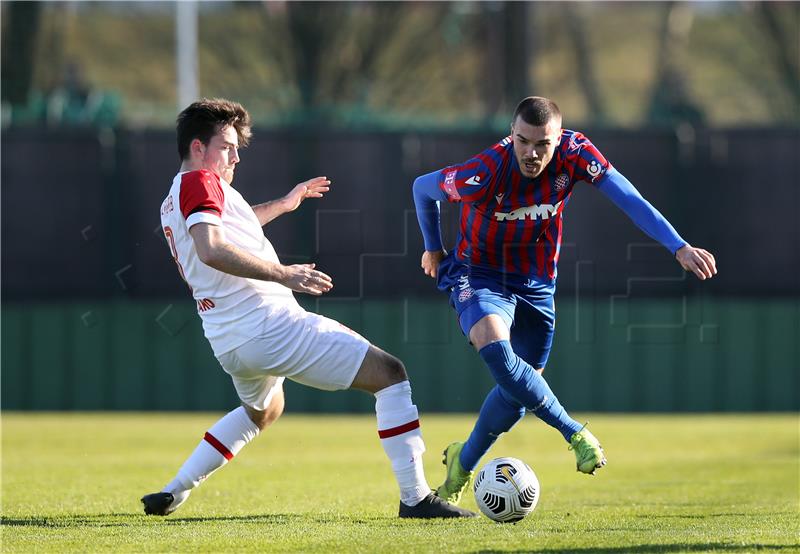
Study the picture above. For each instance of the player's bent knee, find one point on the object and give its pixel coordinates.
(487, 330)
(275, 408)
(395, 370)
(264, 418)
(378, 371)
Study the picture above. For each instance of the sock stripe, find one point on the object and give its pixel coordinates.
(213, 441)
(399, 430)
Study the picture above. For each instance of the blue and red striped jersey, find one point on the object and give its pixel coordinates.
(508, 222)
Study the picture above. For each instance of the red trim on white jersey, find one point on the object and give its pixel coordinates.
(201, 192)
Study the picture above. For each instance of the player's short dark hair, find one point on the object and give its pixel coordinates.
(204, 118)
(536, 111)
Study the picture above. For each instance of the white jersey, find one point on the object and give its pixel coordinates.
(234, 309)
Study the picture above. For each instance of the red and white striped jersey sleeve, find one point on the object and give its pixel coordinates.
(201, 198)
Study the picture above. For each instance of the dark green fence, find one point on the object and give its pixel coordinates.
(673, 354)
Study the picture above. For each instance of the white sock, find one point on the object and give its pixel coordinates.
(179, 493)
(221, 443)
(401, 438)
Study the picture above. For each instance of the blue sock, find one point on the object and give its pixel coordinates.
(498, 414)
(522, 382)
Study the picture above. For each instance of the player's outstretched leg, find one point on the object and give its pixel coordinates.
(400, 435)
(499, 413)
(521, 381)
(589, 455)
(219, 445)
(401, 438)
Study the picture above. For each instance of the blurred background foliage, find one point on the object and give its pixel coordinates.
(409, 64)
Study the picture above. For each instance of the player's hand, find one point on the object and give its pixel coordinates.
(698, 261)
(431, 260)
(313, 188)
(304, 278)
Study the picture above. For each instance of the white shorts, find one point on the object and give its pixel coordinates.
(302, 346)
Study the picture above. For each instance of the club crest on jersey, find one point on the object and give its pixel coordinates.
(594, 170)
(465, 291)
(561, 181)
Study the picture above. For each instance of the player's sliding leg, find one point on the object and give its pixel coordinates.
(499, 413)
(330, 358)
(400, 434)
(401, 439)
(219, 445)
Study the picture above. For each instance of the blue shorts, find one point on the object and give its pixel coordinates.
(525, 305)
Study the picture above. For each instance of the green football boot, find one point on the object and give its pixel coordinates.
(589, 454)
(457, 479)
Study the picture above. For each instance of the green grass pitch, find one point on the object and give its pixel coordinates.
(677, 483)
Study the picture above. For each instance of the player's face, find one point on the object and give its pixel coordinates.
(222, 153)
(534, 146)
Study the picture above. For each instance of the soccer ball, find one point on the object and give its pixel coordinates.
(506, 490)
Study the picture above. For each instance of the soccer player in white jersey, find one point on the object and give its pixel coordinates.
(257, 330)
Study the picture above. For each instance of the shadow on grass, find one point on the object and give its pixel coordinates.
(706, 516)
(281, 518)
(655, 548)
(128, 519)
(106, 520)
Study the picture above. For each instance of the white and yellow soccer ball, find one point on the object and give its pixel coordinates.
(506, 490)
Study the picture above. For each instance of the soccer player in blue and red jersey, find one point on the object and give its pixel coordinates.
(501, 275)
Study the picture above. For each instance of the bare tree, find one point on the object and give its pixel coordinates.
(311, 27)
(335, 49)
(578, 30)
(671, 102)
(506, 56)
(520, 47)
(785, 45)
(21, 27)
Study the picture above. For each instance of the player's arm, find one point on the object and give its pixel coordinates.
(313, 188)
(427, 196)
(622, 192)
(214, 251)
